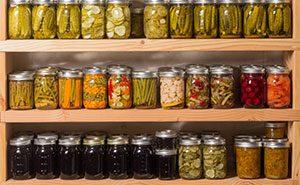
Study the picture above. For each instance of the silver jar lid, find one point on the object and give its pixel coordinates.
(166, 152)
(96, 134)
(277, 69)
(92, 2)
(209, 134)
(48, 135)
(196, 69)
(95, 70)
(43, 2)
(25, 135)
(18, 2)
(65, 141)
(250, 138)
(21, 76)
(70, 73)
(171, 72)
(187, 135)
(119, 69)
(166, 134)
(254, 1)
(206, 1)
(253, 69)
(144, 74)
(118, 140)
(142, 139)
(118, 1)
(190, 142)
(93, 141)
(283, 140)
(179, 1)
(42, 141)
(278, 1)
(215, 141)
(275, 125)
(155, 2)
(276, 144)
(221, 69)
(248, 144)
(230, 1)
(137, 10)
(72, 135)
(44, 71)
(20, 142)
(68, 1)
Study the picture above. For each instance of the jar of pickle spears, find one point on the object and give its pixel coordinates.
(137, 22)
(19, 19)
(167, 164)
(275, 130)
(70, 89)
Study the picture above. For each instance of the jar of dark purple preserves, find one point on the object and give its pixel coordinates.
(166, 140)
(167, 164)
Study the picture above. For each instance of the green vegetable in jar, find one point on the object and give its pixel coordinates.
(222, 92)
(230, 20)
(137, 21)
(181, 21)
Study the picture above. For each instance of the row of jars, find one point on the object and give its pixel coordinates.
(159, 20)
(200, 88)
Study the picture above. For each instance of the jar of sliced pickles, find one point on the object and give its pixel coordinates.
(19, 19)
(279, 87)
(95, 88)
(172, 87)
(230, 18)
(46, 88)
(197, 87)
(181, 19)
(275, 130)
(137, 22)
(119, 87)
(70, 89)
(156, 19)
(222, 85)
(93, 19)
(145, 85)
(255, 19)
(118, 19)
(21, 90)
(205, 19)
(279, 18)
(68, 19)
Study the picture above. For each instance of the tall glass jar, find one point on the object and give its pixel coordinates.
(253, 86)
(167, 164)
(95, 88)
(68, 19)
(197, 87)
(137, 22)
(119, 87)
(255, 19)
(145, 86)
(222, 86)
(181, 19)
(156, 19)
(19, 19)
(44, 19)
(279, 87)
(166, 139)
(280, 18)
(230, 19)
(205, 19)
(21, 90)
(118, 19)
(46, 88)
(275, 130)
(93, 19)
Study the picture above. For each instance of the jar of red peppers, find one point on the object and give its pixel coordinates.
(253, 86)
(119, 87)
(279, 87)
(197, 87)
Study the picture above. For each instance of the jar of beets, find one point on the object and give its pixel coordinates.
(253, 86)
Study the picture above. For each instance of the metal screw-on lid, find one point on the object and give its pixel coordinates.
(17, 2)
(70, 73)
(42, 2)
(96, 135)
(249, 138)
(277, 69)
(21, 75)
(179, 2)
(283, 140)
(48, 135)
(190, 141)
(278, 1)
(248, 144)
(142, 139)
(215, 141)
(72, 135)
(95, 70)
(230, 1)
(187, 135)
(25, 135)
(144, 74)
(171, 72)
(275, 143)
(119, 69)
(92, 2)
(42, 141)
(209, 134)
(69, 141)
(221, 69)
(20, 142)
(275, 125)
(118, 140)
(68, 1)
(253, 69)
(166, 134)
(196, 69)
(166, 152)
(255, 1)
(118, 1)
(44, 71)
(155, 2)
(93, 141)
(206, 1)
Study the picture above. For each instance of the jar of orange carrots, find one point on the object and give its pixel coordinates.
(279, 87)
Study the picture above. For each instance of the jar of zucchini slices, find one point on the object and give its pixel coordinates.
(93, 19)
(19, 19)
(279, 18)
(46, 88)
(156, 19)
(230, 18)
(205, 19)
(70, 89)
(145, 86)
(255, 19)
(137, 22)
(21, 90)
(275, 130)
(181, 19)
(118, 19)
(171, 87)
(68, 19)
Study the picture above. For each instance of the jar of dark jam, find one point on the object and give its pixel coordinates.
(94, 158)
(46, 156)
(70, 157)
(118, 157)
(143, 157)
(167, 163)
(21, 159)
(166, 140)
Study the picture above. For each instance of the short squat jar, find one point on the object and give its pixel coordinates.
(166, 139)
(167, 164)
(275, 130)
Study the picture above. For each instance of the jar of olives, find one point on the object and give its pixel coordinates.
(166, 139)
(167, 164)
(137, 22)
(275, 130)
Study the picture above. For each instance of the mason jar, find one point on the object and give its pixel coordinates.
(275, 130)
(137, 23)
(167, 164)
(166, 139)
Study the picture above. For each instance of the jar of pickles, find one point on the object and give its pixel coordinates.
(222, 86)
(119, 87)
(156, 19)
(19, 19)
(93, 19)
(181, 19)
(230, 18)
(279, 87)
(279, 18)
(46, 88)
(68, 19)
(205, 19)
(166, 139)
(137, 22)
(255, 19)
(253, 86)
(21, 90)
(44, 19)
(197, 87)
(95, 88)
(275, 130)
(145, 85)
(167, 164)
(118, 19)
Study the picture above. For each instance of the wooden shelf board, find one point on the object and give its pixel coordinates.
(149, 45)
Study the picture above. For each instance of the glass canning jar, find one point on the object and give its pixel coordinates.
(278, 87)
(275, 130)
(137, 23)
(167, 164)
(145, 87)
(21, 90)
(120, 87)
(166, 139)
(253, 86)
(222, 86)
(70, 89)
